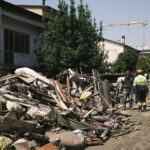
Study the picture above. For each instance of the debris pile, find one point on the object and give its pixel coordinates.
(69, 113)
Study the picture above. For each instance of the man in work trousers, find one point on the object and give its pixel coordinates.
(140, 83)
(126, 87)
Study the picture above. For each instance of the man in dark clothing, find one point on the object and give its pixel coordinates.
(126, 87)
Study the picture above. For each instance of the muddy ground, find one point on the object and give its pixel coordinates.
(137, 140)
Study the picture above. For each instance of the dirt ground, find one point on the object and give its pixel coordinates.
(138, 140)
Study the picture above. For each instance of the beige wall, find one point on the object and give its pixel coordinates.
(42, 11)
(113, 50)
(38, 11)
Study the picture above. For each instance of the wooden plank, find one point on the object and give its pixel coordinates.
(23, 102)
(58, 102)
(63, 93)
(60, 91)
(68, 88)
(59, 98)
(80, 89)
(20, 101)
(74, 85)
(8, 79)
(89, 88)
(88, 113)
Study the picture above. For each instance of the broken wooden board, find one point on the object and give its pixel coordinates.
(68, 87)
(59, 101)
(74, 85)
(8, 79)
(21, 101)
(63, 93)
(60, 91)
(25, 102)
(87, 114)
(27, 78)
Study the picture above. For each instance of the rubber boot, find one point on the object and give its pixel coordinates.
(140, 108)
(144, 107)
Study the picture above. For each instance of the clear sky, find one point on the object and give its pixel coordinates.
(113, 11)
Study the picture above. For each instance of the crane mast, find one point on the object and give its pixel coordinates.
(142, 22)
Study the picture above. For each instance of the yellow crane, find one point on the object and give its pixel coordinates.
(142, 22)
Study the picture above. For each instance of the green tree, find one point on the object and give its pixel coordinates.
(125, 61)
(71, 41)
(144, 64)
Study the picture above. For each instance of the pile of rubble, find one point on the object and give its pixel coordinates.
(68, 113)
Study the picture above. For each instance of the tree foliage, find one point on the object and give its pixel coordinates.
(125, 61)
(144, 64)
(71, 41)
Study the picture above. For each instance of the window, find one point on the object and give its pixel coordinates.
(16, 41)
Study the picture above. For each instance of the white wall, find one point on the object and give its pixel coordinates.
(113, 50)
(34, 32)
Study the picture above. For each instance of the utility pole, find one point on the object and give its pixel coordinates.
(43, 2)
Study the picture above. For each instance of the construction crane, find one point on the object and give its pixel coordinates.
(143, 23)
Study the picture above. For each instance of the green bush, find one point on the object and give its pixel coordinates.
(71, 41)
(125, 61)
(144, 64)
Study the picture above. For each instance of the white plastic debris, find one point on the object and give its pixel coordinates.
(33, 73)
(35, 111)
(13, 106)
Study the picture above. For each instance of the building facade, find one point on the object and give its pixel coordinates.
(113, 49)
(42, 10)
(19, 32)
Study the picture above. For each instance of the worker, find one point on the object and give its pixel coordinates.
(140, 84)
(126, 88)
